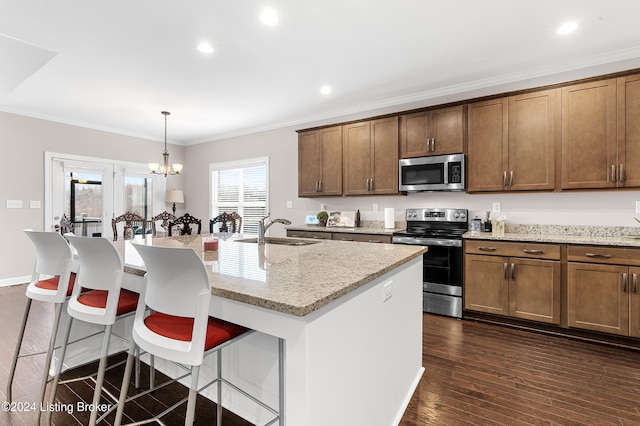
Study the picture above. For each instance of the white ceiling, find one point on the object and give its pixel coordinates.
(114, 65)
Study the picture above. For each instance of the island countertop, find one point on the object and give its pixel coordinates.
(295, 280)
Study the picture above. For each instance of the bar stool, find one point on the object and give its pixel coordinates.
(179, 328)
(102, 301)
(54, 259)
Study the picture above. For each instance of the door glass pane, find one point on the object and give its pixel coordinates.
(83, 202)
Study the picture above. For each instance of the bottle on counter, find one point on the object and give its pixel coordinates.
(357, 219)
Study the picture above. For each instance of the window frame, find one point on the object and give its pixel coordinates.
(237, 164)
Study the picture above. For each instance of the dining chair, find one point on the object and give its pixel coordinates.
(166, 218)
(52, 280)
(178, 327)
(101, 302)
(229, 222)
(183, 223)
(130, 221)
(65, 226)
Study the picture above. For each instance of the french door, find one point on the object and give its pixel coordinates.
(92, 191)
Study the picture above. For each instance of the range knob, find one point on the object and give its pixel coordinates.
(456, 215)
(462, 215)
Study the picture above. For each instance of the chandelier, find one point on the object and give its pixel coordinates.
(165, 169)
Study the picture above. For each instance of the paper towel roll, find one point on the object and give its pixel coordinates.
(389, 218)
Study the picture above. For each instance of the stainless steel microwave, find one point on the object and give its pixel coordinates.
(437, 173)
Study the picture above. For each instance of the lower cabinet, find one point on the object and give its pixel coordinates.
(341, 236)
(602, 290)
(511, 279)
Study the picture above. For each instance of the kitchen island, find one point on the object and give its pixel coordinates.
(350, 316)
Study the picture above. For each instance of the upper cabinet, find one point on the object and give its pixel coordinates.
(601, 134)
(589, 146)
(512, 142)
(433, 132)
(370, 157)
(320, 162)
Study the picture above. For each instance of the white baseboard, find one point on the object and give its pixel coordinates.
(6, 282)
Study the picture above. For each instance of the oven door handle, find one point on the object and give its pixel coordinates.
(417, 241)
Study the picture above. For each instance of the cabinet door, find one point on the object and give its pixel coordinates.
(595, 298)
(629, 131)
(447, 129)
(486, 284)
(534, 290)
(634, 302)
(487, 145)
(320, 162)
(384, 156)
(308, 163)
(357, 154)
(532, 141)
(589, 135)
(331, 157)
(414, 136)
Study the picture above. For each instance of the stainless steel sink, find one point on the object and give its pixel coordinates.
(280, 241)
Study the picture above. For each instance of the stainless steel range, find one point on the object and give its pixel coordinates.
(441, 231)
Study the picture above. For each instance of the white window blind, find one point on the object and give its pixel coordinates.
(241, 187)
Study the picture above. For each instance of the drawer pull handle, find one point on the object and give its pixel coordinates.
(613, 173)
(529, 251)
(505, 270)
(295, 235)
(606, 256)
(317, 237)
(346, 239)
(504, 178)
(624, 282)
(635, 282)
(513, 271)
(483, 248)
(375, 241)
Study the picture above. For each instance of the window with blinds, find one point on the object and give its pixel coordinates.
(240, 187)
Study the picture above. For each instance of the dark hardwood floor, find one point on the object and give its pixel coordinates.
(476, 374)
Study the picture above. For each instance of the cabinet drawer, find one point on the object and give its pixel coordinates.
(318, 235)
(608, 255)
(367, 238)
(528, 250)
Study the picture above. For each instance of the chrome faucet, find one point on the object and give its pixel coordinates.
(263, 226)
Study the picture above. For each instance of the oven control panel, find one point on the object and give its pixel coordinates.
(436, 215)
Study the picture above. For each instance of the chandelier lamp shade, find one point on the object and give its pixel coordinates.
(165, 169)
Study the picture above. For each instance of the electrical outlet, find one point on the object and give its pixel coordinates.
(14, 204)
(323, 207)
(375, 207)
(33, 204)
(497, 207)
(387, 293)
(289, 204)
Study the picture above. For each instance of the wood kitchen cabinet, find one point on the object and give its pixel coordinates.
(518, 280)
(628, 131)
(341, 236)
(512, 143)
(320, 162)
(370, 157)
(602, 290)
(434, 132)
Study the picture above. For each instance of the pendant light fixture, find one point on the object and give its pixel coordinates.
(165, 169)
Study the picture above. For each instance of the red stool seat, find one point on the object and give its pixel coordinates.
(181, 328)
(127, 302)
(52, 283)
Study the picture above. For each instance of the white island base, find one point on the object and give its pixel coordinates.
(355, 361)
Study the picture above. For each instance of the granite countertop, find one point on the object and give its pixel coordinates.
(621, 236)
(295, 280)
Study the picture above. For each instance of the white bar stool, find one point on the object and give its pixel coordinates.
(54, 259)
(179, 328)
(97, 298)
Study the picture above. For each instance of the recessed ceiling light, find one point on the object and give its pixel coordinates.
(567, 27)
(205, 47)
(269, 17)
(325, 90)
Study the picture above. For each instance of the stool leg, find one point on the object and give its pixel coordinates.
(219, 385)
(47, 364)
(56, 374)
(100, 379)
(193, 393)
(125, 384)
(14, 361)
(281, 384)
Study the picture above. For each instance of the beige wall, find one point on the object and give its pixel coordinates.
(24, 141)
